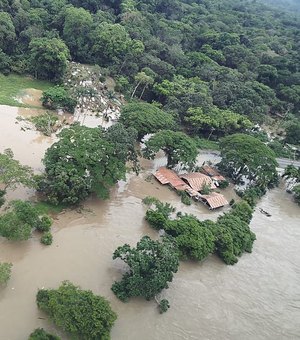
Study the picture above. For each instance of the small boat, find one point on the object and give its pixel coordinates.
(265, 212)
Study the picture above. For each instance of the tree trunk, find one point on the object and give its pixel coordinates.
(134, 91)
(143, 91)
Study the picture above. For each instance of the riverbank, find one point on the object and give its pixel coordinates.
(13, 87)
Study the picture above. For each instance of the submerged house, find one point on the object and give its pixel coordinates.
(197, 180)
(213, 174)
(167, 176)
(192, 184)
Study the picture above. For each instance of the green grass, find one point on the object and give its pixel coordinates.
(12, 85)
(48, 208)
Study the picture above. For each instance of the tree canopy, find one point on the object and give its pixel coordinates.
(151, 266)
(246, 158)
(240, 58)
(20, 219)
(177, 146)
(84, 161)
(48, 58)
(229, 237)
(80, 312)
(146, 118)
(13, 173)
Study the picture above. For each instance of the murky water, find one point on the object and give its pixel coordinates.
(258, 298)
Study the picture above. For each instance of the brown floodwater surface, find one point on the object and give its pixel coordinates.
(256, 299)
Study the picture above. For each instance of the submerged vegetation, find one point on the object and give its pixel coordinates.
(79, 312)
(229, 237)
(195, 74)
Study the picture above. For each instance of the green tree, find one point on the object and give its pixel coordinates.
(110, 43)
(84, 161)
(142, 79)
(49, 58)
(57, 97)
(216, 120)
(12, 173)
(194, 239)
(79, 312)
(41, 334)
(20, 219)
(296, 192)
(145, 118)
(233, 237)
(178, 147)
(77, 27)
(5, 272)
(5, 63)
(293, 133)
(7, 32)
(246, 158)
(151, 266)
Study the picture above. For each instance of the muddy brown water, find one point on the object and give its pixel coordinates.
(258, 298)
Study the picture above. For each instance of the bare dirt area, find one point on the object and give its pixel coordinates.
(31, 97)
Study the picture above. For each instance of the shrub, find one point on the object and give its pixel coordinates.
(5, 271)
(19, 221)
(58, 98)
(47, 238)
(223, 184)
(44, 224)
(185, 198)
(163, 306)
(41, 334)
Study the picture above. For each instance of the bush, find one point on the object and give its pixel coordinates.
(163, 306)
(185, 198)
(44, 224)
(223, 184)
(47, 238)
(45, 123)
(58, 98)
(81, 313)
(5, 271)
(19, 221)
(41, 334)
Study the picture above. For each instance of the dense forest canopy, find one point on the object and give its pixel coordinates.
(242, 56)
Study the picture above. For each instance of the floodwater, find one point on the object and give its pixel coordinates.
(258, 298)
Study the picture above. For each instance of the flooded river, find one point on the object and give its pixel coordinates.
(257, 299)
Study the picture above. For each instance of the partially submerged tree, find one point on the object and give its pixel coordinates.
(13, 173)
(84, 161)
(245, 158)
(194, 239)
(21, 218)
(178, 147)
(80, 312)
(146, 118)
(41, 334)
(229, 237)
(151, 266)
